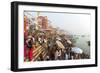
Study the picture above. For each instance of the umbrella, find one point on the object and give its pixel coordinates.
(60, 44)
(77, 50)
(69, 42)
(58, 38)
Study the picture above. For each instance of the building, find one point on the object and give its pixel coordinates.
(43, 22)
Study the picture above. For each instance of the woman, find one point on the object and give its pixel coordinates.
(58, 55)
(30, 49)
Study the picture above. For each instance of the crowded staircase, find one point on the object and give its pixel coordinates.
(39, 51)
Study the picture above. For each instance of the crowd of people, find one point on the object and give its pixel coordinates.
(52, 49)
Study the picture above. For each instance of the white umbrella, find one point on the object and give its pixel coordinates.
(77, 50)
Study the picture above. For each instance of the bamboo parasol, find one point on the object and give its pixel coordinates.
(60, 45)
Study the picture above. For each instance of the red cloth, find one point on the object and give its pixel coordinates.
(25, 54)
(30, 54)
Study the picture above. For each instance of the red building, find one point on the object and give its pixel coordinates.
(43, 21)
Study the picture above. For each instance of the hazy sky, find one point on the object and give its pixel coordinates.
(72, 23)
